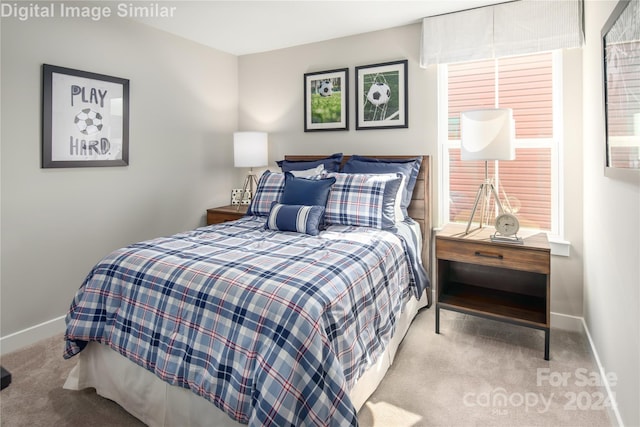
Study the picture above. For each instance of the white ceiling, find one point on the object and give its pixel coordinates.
(242, 27)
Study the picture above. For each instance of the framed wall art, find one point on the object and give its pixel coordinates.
(382, 96)
(326, 100)
(85, 119)
(621, 68)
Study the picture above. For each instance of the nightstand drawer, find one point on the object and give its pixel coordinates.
(493, 255)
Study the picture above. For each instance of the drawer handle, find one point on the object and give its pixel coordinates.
(488, 255)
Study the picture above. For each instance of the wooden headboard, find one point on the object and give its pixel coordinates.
(420, 207)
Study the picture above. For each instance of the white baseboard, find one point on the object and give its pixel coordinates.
(613, 409)
(32, 335)
(567, 322)
(577, 324)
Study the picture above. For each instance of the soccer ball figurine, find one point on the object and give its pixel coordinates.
(326, 88)
(379, 93)
(88, 121)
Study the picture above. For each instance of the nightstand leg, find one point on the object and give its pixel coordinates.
(437, 318)
(546, 344)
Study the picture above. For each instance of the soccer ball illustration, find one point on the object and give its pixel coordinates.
(326, 88)
(88, 121)
(379, 93)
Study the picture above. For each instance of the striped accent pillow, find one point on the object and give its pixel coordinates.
(359, 199)
(298, 218)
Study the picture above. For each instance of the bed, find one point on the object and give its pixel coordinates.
(252, 322)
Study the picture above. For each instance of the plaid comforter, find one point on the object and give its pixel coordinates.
(274, 328)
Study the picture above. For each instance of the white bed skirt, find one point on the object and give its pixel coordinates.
(157, 403)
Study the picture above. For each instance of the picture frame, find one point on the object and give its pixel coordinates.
(85, 119)
(382, 100)
(326, 100)
(620, 41)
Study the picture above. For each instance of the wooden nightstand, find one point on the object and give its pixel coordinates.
(500, 281)
(225, 213)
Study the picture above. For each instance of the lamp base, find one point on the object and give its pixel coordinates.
(486, 190)
(251, 183)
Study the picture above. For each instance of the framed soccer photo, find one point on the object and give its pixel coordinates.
(326, 100)
(382, 96)
(85, 119)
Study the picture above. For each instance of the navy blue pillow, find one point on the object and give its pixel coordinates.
(409, 167)
(331, 163)
(301, 219)
(303, 191)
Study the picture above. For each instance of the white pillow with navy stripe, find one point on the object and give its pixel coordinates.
(298, 218)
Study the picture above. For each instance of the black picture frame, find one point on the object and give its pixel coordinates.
(621, 68)
(382, 96)
(85, 119)
(326, 100)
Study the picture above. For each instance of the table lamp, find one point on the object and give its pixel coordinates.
(487, 135)
(250, 149)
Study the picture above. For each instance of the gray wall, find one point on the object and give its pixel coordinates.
(611, 238)
(57, 223)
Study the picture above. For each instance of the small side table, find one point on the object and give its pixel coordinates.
(225, 213)
(499, 281)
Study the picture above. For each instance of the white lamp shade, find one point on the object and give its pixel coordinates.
(250, 149)
(487, 134)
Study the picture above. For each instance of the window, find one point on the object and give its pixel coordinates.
(528, 184)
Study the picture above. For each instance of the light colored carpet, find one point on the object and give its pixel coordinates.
(477, 372)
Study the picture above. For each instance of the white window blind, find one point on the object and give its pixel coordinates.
(507, 29)
(536, 26)
(461, 36)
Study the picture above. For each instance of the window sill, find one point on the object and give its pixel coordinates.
(559, 247)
